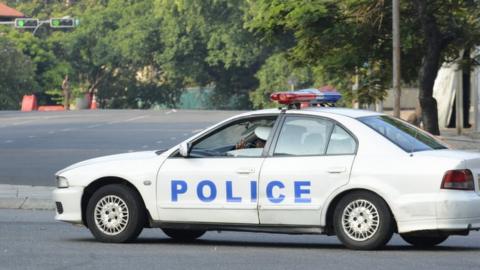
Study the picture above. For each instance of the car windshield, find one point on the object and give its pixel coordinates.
(404, 135)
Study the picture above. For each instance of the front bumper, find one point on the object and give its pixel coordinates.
(448, 211)
(70, 200)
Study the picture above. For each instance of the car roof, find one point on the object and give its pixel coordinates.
(353, 113)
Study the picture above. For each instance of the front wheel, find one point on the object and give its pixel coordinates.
(115, 214)
(424, 241)
(363, 221)
(183, 235)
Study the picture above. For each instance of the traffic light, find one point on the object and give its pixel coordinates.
(26, 23)
(63, 23)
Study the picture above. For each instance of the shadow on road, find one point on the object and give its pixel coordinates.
(267, 244)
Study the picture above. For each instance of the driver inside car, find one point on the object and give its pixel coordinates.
(261, 133)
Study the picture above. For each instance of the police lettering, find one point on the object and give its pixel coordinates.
(206, 191)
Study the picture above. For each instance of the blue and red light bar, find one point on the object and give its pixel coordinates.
(311, 96)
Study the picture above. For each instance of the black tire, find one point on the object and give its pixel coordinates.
(379, 220)
(125, 198)
(424, 241)
(183, 235)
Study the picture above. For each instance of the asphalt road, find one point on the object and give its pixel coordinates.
(33, 240)
(33, 146)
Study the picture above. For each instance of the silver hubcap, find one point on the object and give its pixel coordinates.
(111, 215)
(360, 220)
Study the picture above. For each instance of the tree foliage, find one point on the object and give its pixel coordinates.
(144, 53)
(279, 74)
(350, 38)
(206, 42)
(16, 71)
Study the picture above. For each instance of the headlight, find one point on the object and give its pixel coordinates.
(62, 182)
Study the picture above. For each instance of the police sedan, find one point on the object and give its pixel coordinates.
(359, 175)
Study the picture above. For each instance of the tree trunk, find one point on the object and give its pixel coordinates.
(466, 70)
(66, 93)
(428, 104)
(430, 65)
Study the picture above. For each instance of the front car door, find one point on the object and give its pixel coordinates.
(310, 158)
(218, 182)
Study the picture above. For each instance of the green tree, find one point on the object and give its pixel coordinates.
(49, 65)
(206, 43)
(279, 74)
(340, 38)
(16, 73)
(446, 28)
(353, 37)
(112, 54)
(46, 47)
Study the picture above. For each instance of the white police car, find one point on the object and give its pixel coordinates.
(356, 174)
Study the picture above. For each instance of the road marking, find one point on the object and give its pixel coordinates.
(159, 142)
(9, 141)
(16, 124)
(94, 126)
(136, 118)
(31, 136)
(21, 123)
(196, 130)
(127, 120)
(67, 129)
(145, 146)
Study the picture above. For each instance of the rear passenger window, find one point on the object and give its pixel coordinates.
(303, 136)
(310, 136)
(341, 143)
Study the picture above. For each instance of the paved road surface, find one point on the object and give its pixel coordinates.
(33, 146)
(32, 240)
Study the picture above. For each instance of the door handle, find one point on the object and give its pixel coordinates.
(245, 170)
(336, 169)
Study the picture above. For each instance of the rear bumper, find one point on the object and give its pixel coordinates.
(70, 200)
(458, 224)
(447, 211)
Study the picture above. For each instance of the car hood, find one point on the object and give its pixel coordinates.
(119, 157)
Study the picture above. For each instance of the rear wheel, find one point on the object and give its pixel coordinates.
(183, 235)
(424, 241)
(363, 221)
(115, 214)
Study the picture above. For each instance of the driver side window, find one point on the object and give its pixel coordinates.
(243, 138)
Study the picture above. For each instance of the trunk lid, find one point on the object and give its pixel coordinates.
(470, 160)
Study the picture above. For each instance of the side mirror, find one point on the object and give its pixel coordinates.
(184, 149)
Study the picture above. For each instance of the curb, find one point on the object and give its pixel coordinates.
(26, 197)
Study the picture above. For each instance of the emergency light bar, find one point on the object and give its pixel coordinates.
(311, 96)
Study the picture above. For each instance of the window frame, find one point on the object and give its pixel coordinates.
(281, 121)
(231, 122)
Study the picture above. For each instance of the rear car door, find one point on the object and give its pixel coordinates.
(310, 157)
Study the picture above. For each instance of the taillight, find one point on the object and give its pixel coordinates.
(458, 179)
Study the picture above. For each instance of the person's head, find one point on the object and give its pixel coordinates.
(260, 143)
(262, 134)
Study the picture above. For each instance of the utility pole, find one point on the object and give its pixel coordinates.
(396, 57)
